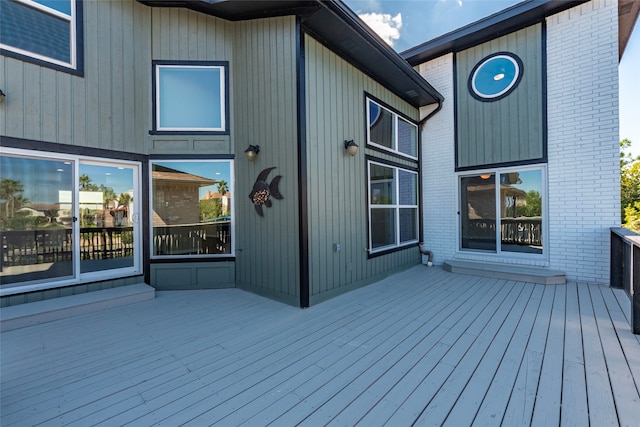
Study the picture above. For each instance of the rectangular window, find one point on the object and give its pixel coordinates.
(191, 207)
(66, 219)
(390, 132)
(42, 30)
(190, 97)
(393, 207)
(502, 211)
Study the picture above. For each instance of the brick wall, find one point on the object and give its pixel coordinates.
(583, 150)
(438, 164)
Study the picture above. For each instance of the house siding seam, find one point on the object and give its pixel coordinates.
(583, 138)
(438, 163)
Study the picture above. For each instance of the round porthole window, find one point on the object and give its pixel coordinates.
(495, 76)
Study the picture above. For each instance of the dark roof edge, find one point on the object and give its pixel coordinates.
(343, 11)
(504, 22)
(407, 84)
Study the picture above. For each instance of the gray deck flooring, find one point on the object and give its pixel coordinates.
(423, 347)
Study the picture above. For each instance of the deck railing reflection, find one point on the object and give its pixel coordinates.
(28, 247)
(517, 231)
(192, 239)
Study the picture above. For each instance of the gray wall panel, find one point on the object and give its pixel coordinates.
(337, 182)
(102, 109)
(264, 113)
(509, 129)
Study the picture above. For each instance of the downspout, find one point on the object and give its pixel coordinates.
(421, 124)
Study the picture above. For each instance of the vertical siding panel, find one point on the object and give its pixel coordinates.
(534, 41)
(32, 100)
(129, 101)
(118, 97)
(105, 94)
(265, 114)
(3, 82)
(141, 57)
(92, 72)
(63, 108)
(48, 100)
(14, 108)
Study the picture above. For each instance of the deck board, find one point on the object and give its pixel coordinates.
(424, 346)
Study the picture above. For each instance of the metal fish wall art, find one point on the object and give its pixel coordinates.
(262, 192)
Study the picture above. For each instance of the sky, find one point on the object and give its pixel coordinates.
(408, 23)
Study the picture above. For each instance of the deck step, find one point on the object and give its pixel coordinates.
(33, 313)
(541, 275)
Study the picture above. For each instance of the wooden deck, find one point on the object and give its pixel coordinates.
(423, 347)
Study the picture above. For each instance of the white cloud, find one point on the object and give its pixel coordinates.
(386, 26)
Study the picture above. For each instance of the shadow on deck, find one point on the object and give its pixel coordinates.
(424, 346)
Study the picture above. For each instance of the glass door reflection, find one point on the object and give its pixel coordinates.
(106, 207)
(36, 219)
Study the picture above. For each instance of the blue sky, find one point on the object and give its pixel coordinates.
(408, 23)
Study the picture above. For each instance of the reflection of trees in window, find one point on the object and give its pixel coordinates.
(10, 190)
(16, 213)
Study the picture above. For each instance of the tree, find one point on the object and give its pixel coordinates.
(632, 217)
(124, 199)
(210, 209)
(629, 183)
(108, 194)
(86, 184)
(534, 204)
(223, 187)
(10, 190)
(626, 158)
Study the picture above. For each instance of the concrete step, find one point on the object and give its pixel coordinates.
(519, 273)
(33, 313)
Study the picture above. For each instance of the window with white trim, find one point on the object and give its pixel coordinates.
(41, 30)
(393, 206)
(389, 131)
(190, 97)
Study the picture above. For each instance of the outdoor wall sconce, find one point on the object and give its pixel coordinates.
(2, 95)
(252, 152)
(351, 147)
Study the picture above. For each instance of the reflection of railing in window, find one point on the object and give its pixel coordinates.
(28, 247)
(519, 231)
(193, 239)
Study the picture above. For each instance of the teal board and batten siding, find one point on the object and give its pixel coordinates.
(265, 111)
(336, 184)
(98, 110)
(510, 129)
(179, 34)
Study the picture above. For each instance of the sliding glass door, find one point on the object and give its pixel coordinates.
(66, 219)
(503, 211)
(36, 220)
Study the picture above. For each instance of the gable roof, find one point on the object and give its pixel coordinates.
(339, 28)
(512, 19)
